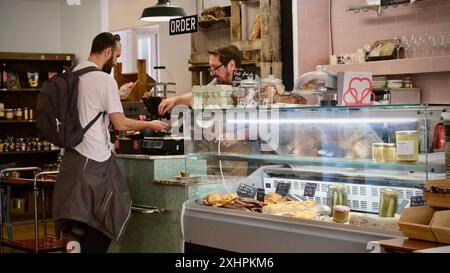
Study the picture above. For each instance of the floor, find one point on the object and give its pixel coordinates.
(23, 231)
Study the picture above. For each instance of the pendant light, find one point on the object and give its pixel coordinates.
(163, 11)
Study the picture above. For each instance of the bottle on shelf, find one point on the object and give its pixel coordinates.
(3, 77)
(25, 113)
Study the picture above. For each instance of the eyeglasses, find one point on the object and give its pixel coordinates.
(213, 70)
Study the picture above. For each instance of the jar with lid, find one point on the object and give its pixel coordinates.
(248, 93)
(388, 202)
(407, 83)
(377, 151)
(407, 146)
(271, 86)
(337, 195)
(18, 114)
(9, 114)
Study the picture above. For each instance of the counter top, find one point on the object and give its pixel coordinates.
(191, 181)
(149, 157)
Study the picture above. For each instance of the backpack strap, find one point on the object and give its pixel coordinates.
(85, 70)
(93, 121)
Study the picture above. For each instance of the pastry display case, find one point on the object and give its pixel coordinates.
(294, 167)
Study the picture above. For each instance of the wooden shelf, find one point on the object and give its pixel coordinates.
(17, 121)
(36, 56)
(30, 152)
(396, 67)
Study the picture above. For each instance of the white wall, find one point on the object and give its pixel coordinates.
(79, 26)
(50, 26)
(175, 51)
(30, 26)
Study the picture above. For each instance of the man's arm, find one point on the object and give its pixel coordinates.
(167, 104)
(122, 123)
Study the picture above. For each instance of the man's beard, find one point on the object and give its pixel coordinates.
(222, 81)
(108, 66)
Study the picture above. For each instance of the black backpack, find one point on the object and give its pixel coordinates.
(57, 110)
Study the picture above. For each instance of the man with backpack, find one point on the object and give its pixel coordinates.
(92, 201)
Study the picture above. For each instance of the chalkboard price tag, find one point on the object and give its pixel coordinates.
(385, 3)
(246, 191)
(260, 194)
(283, 188)
(310, 189)
(417, 201)
(240, 75)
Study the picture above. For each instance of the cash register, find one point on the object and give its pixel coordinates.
(148, 141)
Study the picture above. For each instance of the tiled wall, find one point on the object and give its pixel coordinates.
(352, 30)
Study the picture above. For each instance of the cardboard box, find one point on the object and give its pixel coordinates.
(439, 200)
(415, 222)
(441, 226)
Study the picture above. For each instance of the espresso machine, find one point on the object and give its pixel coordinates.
(148, 141)
(161, 142)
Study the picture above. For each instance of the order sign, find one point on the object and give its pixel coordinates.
(183, 25)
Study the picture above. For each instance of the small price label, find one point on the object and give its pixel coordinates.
(310, 189)
(417, 201)
(246, 191)
(260, 194)
(283, 188)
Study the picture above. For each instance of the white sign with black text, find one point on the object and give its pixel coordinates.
(183, 25)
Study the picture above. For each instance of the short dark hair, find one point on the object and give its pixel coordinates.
(227, 53)
(103, 41)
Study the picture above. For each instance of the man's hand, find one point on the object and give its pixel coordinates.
(227, 140)
(166, 105)
(158, 125)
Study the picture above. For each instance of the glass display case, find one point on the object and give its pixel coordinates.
(284, 169)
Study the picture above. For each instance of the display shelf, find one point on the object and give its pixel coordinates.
(36, 56)
(17, 121)
(324, 161)
(20, 90)
(31, 152)
(380, 7)
(397, 67)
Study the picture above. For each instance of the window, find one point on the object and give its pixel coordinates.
(140, 43)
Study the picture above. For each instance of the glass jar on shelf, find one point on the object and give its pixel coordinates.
(407, 146)
(9, 114)
(249, 93)
(269, 88)
(337, 195)
(388, 202)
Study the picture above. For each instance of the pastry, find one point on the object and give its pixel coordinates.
(272, 198)
(289, 99)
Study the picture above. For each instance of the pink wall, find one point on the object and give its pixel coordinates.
(352, 30)
(313, 34)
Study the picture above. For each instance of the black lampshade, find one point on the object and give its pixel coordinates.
(163, 11)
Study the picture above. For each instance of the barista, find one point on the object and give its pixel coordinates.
(222, 62)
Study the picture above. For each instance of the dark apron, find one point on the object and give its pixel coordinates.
(95, 193)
